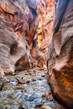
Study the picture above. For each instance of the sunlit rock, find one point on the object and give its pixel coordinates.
(45, 107)
(45, 27)
(60, 55)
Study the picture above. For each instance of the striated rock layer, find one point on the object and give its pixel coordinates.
(45, 28)
(60, 55)
(16, 18)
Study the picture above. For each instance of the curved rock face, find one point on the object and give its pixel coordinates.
(14, 35)
(12, 48)
(60, 55)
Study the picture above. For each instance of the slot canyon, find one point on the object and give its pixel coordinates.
(36, 54)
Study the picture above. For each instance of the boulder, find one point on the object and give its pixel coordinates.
(60, 55)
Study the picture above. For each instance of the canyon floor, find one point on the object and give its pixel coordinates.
(27, 89)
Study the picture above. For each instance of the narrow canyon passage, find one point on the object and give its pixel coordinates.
(36, 54)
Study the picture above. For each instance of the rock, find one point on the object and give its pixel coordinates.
(7, 7)
(14, 81)
(33, 80)
(20, 81)
(49, 98)
(1, 83)
(60, 58)
(9, 73)
(30, 98)
(43, 75)
(38, 105)
(40, 78)
(21, 107)
(19, 87)
(6, 41)
(8, 87)
(46, 94)
(21, 64)
(28, 81)
(45, 28)
(34, 71)
(14, 35)
(10, 96)
(1, 72)
(45, 107)
(41, 62)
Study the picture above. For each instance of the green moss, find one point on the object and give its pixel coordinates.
(51, 15)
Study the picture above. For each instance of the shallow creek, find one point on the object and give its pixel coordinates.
(27, 90)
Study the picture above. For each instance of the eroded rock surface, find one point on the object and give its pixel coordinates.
(15, 34)
(45, 28)
(60, 55)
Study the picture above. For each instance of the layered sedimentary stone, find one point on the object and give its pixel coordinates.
(60, 55)
(45, 28)
(11, 47)
(15, 35)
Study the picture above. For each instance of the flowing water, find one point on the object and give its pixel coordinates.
(27, 90)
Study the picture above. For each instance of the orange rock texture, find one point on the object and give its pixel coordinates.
(17, 30)
(60, 55)
(45, 10)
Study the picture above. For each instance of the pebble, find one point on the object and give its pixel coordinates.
(34, 71)
(21, 107)
(10, 73)
(40, 78)
(49, 98)
(33, 79)
(19, 87)
(26, 74)
(45, 107)
(28, 81)
(10, 96)
(14, 81)
(43, 75)
(46, 94)
(21, 81)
